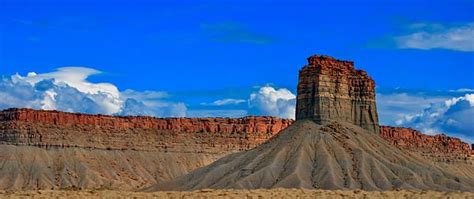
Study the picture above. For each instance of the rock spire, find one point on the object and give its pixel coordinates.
(333, 90)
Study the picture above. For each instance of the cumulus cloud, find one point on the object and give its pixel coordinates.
(453, 116)
(224, 102)
(74, 77)
(68, 89)
(395, 107)
(270, 101)
(150, 103)
(460, 38)
(159, 109)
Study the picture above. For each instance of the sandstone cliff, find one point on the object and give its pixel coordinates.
(333, 90)
(438, 147)
(209, 135)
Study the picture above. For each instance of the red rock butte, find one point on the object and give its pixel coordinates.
(333, 90)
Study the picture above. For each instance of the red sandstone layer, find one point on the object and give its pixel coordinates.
(251, 124)
(208, 135)
(431, 145)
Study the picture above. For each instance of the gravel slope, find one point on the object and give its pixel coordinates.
(28, 167)
(332, 156)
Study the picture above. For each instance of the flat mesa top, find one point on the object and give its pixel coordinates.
(328, 61)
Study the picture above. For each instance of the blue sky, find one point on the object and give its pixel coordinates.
(207, 58)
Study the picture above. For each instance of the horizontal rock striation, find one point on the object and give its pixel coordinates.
(251, 124)
(332, 90)
(439, 147)
(210, 135)
(203, 135)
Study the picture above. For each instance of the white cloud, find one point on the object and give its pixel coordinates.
(18, 94)
(269, 101)
(460, 38)
(74, 77)
(105, 95)
(224, 102)
(150, 103)
(68, 89)
(159, 109)
(393, 108)
(454, 116)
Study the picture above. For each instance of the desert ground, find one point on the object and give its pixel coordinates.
(236, 193)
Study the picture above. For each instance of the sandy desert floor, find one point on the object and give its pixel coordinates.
(232, 193)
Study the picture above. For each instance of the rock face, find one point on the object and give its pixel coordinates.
(250, 124)
(210, 135)
(409, 138)
(332, 90)
(334, 144)
(438, 147)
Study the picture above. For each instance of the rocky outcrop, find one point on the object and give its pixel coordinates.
(439, 147)
(333, 90)
(210, 135)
